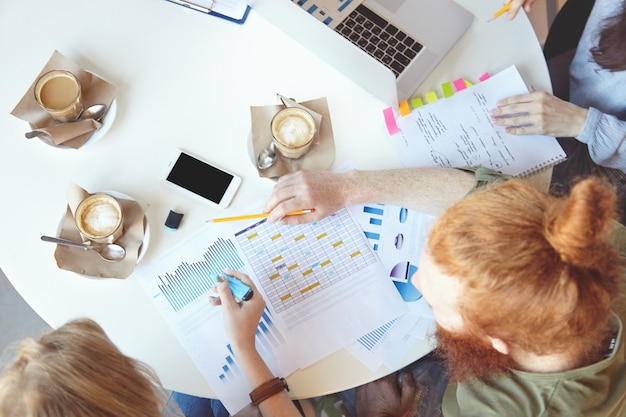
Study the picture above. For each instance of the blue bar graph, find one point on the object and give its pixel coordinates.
(372, 235)
(189, 281)
(373, 338)
(373, 210)
(268, 340)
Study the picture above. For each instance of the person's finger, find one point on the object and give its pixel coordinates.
(223, 289)
(517, 99)
(241, 276)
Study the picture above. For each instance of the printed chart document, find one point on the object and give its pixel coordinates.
(398, 236)
(457, 132)
(323, 284)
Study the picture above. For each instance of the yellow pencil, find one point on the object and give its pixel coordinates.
(256, 216)
(501, 11)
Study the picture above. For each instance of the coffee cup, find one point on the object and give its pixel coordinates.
(293, 131)
(99, 218)
(58, 93)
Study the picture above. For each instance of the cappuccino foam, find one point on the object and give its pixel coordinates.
(293, 127)
(98, 216)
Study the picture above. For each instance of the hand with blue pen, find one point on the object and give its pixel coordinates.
(241, 319)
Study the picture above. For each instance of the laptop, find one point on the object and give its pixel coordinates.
(389, 47)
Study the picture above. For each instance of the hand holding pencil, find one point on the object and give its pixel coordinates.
(512, 7)
(255, 216)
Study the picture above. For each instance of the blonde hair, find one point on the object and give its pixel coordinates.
(539, 272)
(77, 371)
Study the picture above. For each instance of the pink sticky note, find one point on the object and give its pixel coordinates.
(459, 84)
(390, 121)
(484, 76)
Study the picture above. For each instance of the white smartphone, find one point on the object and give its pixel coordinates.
(201, 179)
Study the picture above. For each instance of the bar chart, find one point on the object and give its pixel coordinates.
(191, 280)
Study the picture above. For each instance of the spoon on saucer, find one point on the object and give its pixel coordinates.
(266, 157)
(95, 112)
(110, 252)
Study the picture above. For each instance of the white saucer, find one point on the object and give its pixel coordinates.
(97, 135)
(146, 235)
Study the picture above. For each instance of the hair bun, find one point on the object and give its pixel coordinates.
(581, 224)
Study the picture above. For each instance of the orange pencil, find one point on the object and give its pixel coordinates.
(501, 11)
(256, 216)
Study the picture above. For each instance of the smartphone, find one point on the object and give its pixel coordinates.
(237, 288)
(201, 179)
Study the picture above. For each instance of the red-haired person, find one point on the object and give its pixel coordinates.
(524, 287)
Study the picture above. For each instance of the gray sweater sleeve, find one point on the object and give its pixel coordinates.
(606, 137)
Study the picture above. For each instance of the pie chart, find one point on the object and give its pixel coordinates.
(401, 274)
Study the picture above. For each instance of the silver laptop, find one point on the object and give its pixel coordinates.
(387, 46)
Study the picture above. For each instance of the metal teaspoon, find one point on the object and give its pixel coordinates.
(108, 251)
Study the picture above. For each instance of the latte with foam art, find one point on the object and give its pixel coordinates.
(293, 131)
(99, 218)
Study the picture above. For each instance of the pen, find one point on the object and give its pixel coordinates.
(194, 6)
(501, 11)
(256, 216)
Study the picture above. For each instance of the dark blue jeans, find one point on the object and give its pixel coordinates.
(430, 375)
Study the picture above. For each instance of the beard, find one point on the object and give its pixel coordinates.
(470, 357)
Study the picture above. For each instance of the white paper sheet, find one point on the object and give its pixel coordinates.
(323, 285)
(398, 236)
(457, 132)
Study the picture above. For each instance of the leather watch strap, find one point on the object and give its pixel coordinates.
(268, 389)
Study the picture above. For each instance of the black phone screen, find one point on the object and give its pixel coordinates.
(200, 178)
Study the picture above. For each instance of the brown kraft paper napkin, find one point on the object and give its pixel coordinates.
(88, 262)
(321, 155)
(94, 90)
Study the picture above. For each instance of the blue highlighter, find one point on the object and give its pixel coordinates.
(237, 288)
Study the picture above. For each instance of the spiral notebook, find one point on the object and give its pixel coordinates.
(457, 132)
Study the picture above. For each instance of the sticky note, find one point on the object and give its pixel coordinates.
(404, 108)
(459, 84)
(431, 97)
(390, 121)
(467, 83)
(447, 89)
(417, 102)
(484, 76)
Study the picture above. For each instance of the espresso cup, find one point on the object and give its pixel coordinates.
(99, 218)
(58, 93)
(293, 131)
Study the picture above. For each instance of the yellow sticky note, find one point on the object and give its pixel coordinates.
(417, 102)
(431, 97)
(468, 84)
(404, 108)
(447, 89)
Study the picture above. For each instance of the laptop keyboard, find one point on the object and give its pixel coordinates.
(379, 38)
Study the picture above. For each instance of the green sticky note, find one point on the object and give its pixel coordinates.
(417, 102)
(447, 89)
(431, 97)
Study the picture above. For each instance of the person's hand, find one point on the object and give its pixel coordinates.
(383, 397)
(240, 319)
(518, 4)
(539, 113)
(320, 190)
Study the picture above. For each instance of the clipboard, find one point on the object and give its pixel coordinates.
(207, 7)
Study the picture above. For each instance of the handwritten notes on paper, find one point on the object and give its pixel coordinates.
(457, 132)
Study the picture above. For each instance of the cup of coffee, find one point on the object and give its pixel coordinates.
(293, 131)
(58, 93)
(99, 218)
